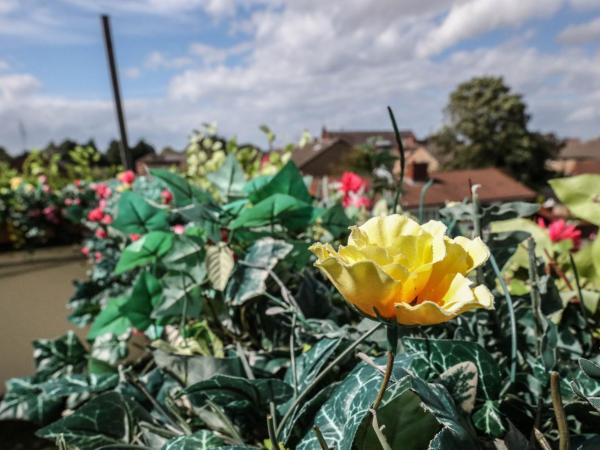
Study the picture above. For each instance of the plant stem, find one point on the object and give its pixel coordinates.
(293, 356)
(320, 438)
(245, 364)
(579, 294)
(559, 412)
(386, 379)
(402, 159)
(513, 321)
(378, 432)
(541, 439)
(534, 294)
(424, 190)
(322, 375)
(272, 435)
(230, 427)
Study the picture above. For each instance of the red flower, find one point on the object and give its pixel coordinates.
(107, 219)
(98, 257)
(127, 177)
(95, 215)
(559, 230)
(166, 196)
(101, 233)
(85, 251)
(102, 190)
(352, 182)
(356, 201)
(77, 183)
(134, 236)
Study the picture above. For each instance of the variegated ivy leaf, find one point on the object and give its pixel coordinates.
(219, 265)
(56, 357)
(201, 440)
(461, 382)
(489, 419)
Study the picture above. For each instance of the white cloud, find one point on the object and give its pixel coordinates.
(581, 33)
(158, 60)
(474, 17)
(132, 72)
(585, 4)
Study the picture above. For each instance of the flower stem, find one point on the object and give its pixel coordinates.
(402, 159)
(513, 321)
(559, 412)
(386, 379)
(320, 438)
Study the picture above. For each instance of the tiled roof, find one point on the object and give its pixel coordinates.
(453, 185)
(577, 149)
(361, 137)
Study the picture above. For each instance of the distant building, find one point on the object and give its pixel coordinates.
(168, 158)
(332, 154)
(454, 186)
(577, 157)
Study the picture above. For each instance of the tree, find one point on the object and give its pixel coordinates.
(487, 126)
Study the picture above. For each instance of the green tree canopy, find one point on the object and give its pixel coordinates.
(487, 125)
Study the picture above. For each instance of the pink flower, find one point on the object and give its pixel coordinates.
(85, 251)
(42, 179)
(45, 188)
(98, 257)
(102, 204)
(101, 233)
(127, 177)
(134, 236)
(107, 219)
(102, 190)
(559, 230)
(178, 229)
(68, 201)
(166, 196)
(77, 183)
(352, 182)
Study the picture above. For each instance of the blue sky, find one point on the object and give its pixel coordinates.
(295, 65)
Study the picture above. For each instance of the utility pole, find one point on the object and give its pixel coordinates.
(112, 64)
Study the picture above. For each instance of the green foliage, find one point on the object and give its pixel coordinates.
(136, 215)
(487, 125)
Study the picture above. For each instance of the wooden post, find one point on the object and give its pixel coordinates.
(125, 154)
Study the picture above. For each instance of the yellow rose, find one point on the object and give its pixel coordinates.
(412, 273)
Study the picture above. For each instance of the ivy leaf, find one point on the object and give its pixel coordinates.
(219, 265)
(25, 400)
(201, 440)
(145, 296)
(184, 193)
(109, 419)
(335, 220)
(287, 181)
(461, 382)
(56, 357)
(80, 384)
(581, 195)
(178, 288)
(240, 395)
(280, 209)
(405, 425)
(249, 282)
(136, 215)
(146, 250)
(488, 419)
(110, 320)
(432, 357)
(229, 179)
(341, 415)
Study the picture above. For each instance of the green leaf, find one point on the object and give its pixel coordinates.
(145, 296)
(178, 288)
(186, 253)
(56, 357)
(432, 357)
(136, 215)
(200, 440)
(240, 395)
(249, 282)
(110, 320)
(219, 265)
(184, 193)
(341, 415)
(489, 419)
(80, 384)
(108, 419)
(25, 400)
(280, 209)
(287, 181)
(229, 179)
(335, 220)
(148, 249)
(406, 425)
(581, 195)
(194, 369)
(461, 382)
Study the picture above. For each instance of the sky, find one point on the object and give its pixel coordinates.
(294, 65)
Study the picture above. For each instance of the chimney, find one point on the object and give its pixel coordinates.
(324, 133)
(417, 171)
